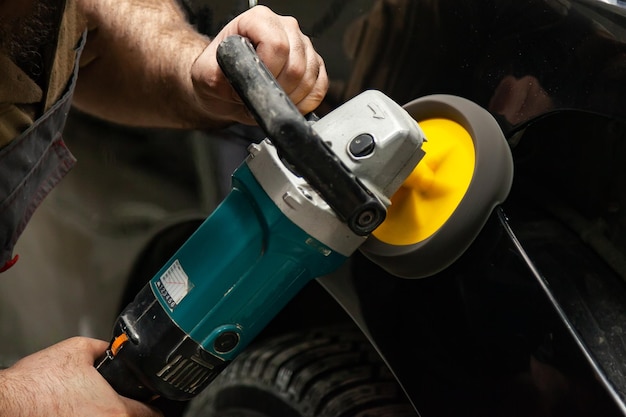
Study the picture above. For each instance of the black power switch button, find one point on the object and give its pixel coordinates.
(226, 342)
(362, 145)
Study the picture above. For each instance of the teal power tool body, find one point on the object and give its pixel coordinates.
(303, 201)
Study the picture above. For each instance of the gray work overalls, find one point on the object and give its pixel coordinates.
(30, 166)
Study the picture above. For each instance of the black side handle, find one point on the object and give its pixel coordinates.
(294, 138)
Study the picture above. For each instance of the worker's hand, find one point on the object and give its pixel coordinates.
(285, 50)
(62, 381)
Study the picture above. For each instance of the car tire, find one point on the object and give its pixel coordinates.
(329, 372)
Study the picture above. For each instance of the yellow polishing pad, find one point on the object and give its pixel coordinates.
(434, 189)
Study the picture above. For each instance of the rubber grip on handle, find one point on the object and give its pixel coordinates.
(295, 139)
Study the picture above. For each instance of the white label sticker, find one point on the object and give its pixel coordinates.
(174, 284)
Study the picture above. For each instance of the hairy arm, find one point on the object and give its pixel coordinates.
(137, 62)
(144, 65)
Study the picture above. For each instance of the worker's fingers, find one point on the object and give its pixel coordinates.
(285, 52)
(139, 409)
(284, 49)
(86, 350)
(62, 378)
(300, 72)
(95, 347)
(307, 98)
(289, 55)
(91, 349)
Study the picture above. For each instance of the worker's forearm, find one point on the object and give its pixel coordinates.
(136, 68)
(145, 66)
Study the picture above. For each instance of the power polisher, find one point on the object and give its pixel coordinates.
(410, 187)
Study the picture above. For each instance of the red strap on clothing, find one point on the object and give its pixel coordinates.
(10, 263)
